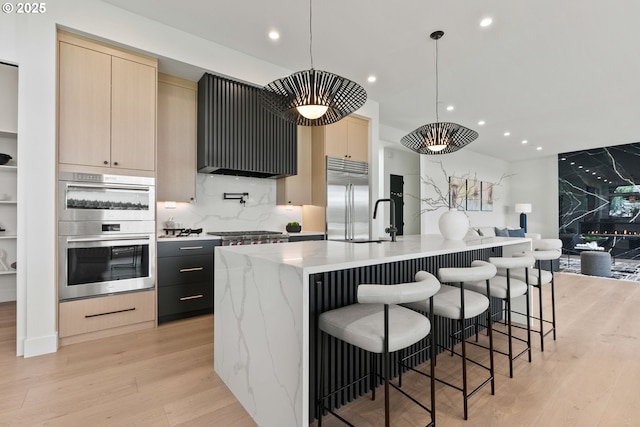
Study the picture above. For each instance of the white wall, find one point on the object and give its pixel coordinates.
(536, 182)
(465, 163)
(30, 42)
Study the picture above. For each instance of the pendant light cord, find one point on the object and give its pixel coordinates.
(310, 33)
(437, 116)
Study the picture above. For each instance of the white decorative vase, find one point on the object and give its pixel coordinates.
(453, 224)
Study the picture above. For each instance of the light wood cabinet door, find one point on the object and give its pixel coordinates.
(358, 139)
(133, 115)
(335, 139)
(177, 139)
(296, 189)
(348, 138)
(84, 106)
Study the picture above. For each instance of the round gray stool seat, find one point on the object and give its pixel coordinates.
(594, 263)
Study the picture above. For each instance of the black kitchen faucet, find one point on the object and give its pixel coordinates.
(392, 230)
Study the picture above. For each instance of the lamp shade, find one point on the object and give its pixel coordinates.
(329, 97)
(439, 138)
(523, 207)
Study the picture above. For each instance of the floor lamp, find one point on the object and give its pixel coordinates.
(523, 209)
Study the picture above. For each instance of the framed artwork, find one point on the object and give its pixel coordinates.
(457, 193)
(473, 195)
(487, 196)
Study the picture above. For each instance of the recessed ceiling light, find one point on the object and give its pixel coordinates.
(580, 167)
(593, 173)
(371, 79)
(481, 122)
(538, 148)
(450, 108)
(563, 158)
(507, 133)
(524, 141)
(274, 35)
(586, 170)
(599, 177)
(572, 163)
(486, 22)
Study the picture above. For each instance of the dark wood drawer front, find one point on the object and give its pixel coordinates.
(185, 269)
(185, 298)
(298, 238)
(186, 247)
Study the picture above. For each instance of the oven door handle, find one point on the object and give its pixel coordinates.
(106, 239)
(109, 186)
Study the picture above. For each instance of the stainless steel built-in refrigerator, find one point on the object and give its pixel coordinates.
(347, 199)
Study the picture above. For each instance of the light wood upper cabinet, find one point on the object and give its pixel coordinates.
(177, 139)
(296, 189)
(133, 115)
(107, 106)
(348, 138)
(85, 106)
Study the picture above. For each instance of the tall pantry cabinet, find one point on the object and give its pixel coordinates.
(106, 125)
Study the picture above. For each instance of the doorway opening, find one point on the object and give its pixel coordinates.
(396, 188)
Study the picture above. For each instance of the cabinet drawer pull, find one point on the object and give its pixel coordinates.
(191, 297)
(186, 270)
(190, 248)
(87, 316)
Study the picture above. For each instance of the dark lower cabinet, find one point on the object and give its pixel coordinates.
(185, 278)
(302, 238)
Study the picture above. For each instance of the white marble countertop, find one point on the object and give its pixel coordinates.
(324, 255)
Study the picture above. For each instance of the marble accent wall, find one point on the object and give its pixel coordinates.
(599, 192)
(211, 212)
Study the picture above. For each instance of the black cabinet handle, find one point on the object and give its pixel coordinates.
(115, 163)
(105, 162)
(87, 316)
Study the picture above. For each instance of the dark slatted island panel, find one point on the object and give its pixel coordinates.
(335, 289)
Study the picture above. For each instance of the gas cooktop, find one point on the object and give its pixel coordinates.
(243, 233)
(250, 237)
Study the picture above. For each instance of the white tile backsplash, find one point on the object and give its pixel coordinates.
(211, 212)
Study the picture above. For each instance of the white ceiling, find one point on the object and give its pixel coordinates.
(564, 75)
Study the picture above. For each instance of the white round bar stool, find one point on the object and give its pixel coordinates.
(378, 325)
(506, 288)
(544, 250)
(458, 304)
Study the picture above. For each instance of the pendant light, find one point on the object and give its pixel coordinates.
(313, 97)
(438, 137)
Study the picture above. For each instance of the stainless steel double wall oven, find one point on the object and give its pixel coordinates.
(106, 234)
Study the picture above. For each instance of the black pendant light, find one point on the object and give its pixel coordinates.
(438, 137)
(313, 97)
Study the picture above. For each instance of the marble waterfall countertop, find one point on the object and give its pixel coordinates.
(261, 306)
(319, 256)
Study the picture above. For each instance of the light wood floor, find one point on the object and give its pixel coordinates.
(164, 377)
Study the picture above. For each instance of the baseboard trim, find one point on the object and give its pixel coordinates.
(40, 345)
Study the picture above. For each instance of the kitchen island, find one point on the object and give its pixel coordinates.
(267, 298)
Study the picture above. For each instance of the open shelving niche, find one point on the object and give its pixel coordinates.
(8, 215)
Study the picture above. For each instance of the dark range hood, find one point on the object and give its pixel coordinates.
(237, 135)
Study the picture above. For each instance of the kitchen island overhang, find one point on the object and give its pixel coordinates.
(264, 307)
